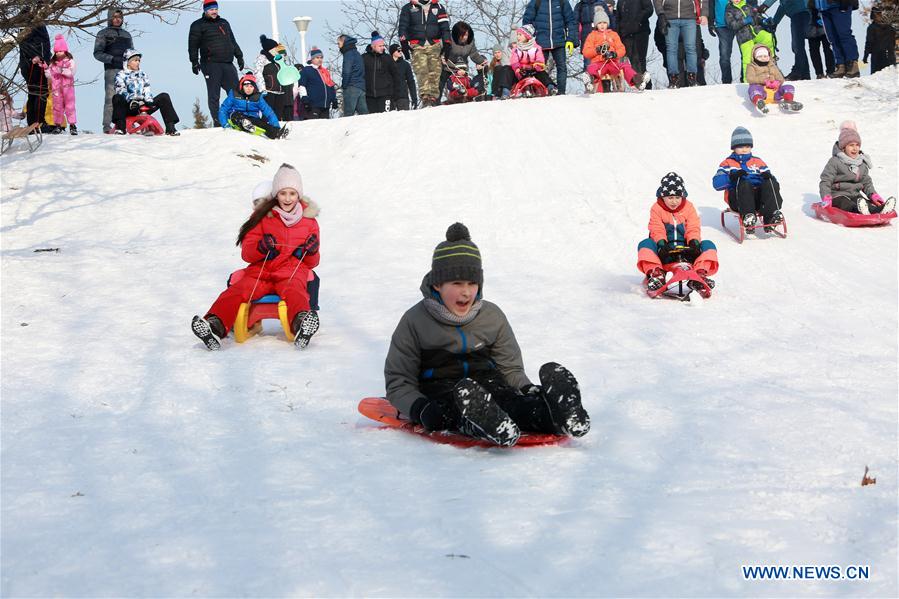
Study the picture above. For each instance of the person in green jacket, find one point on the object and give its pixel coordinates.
(454, 363)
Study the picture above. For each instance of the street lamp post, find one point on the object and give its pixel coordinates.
(275, 34)
(302, 24)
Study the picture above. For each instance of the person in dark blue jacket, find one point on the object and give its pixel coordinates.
(320, 92)
(837, 16)
(800, 19)
(352, 77)
(556, 32)
(246, 108)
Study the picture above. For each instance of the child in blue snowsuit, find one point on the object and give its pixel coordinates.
(247, 109)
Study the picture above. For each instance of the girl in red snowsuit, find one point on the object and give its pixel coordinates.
(280, 241)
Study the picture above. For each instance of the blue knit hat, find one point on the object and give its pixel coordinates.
(740, 137)
(209, 5)
(315, 51)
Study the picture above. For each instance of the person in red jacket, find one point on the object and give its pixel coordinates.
(674, 223)
(459, 87)
(280, 241)
(605, 51)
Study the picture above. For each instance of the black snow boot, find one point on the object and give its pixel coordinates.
(481, 417)
(304, 326)
(563, 397)
(210, 330)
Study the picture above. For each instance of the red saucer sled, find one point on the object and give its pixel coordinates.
(379, 409)
(528, 87)
(851, 219)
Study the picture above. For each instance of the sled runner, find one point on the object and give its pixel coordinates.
(836, 216)
(780, 229)
(678, 286)
(31, 134)
(143, 123)
(380, 410)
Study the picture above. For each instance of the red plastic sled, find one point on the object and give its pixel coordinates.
(142, 124)
(779, 229)
(528, 87)
(676, 287)
(851, 219)
(379, 409)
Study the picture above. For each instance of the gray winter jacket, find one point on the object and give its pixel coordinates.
(456, 51)
(680, 9)
(424, 348)
(838, 180)
(111, 43)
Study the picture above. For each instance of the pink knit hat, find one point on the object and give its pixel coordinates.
(848, 135)
(59, 44)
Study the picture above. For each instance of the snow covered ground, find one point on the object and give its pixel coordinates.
(728, 432)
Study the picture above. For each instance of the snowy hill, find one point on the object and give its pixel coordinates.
(728, 432)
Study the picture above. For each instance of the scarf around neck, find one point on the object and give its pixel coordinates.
(290, 218)
(854, 164)
(442, 314)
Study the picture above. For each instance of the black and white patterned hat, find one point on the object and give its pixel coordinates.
(671, 185)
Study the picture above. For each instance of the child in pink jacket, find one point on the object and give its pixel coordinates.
(61, 73)
(527, 58)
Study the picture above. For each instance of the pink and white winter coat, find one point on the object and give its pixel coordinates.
(61, 74)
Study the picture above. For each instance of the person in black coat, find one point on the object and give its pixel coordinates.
(34, 50)
(212, 48)
(109, 48)
(880, 42)
(380, 74)
(404, 85)
(633, 27)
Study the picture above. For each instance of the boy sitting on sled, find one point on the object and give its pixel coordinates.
(748, 183)
(247, 109)
(454, 363)
(762, 74)
(674, 224)
(459, 87)
(605, 50)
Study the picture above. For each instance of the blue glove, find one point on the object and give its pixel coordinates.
(267, 247)
(768, 22)
(747, 20)
(309, 248)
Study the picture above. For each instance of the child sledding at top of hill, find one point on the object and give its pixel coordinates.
(454, 363)
(748, 185)
(459, 87)
(846, 180)
(527, 59)
(280, 241)
(605, 50)
(762, 74)
(675, 234)
(247, 109)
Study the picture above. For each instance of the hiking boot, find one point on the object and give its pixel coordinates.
(639, 81)
(699, 288)
(673, 81)
(760, 104)
(563, 397)
(655, 279)
(862, 205)
(210, 330)
(304, 326)
(481, 417)
(172, 131)
(852, 69)
(691, 80)
(749, 221)
(777, 217)
(73, 130)
(838, 72)
(888, 205)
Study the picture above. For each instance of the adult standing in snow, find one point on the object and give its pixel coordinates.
(404, 87)
(380, 74)
(109, 48)
(718, 28)
(424, 29)
(33, 51)
(677, 21)
(212, 49)
(352, 77)
(460, 49)
(633, 27)
(837, 16)
(800, 18)
(556, 32)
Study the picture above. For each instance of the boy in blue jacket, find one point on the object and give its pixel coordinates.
(245, 108)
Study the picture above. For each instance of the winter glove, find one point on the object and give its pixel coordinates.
(611, 55)
(694, 244)
(876, 198)
(766, 175)
(772, 83)
(240, 64)
(768, 23)
(267, 247)
(195, 68)
(712, 31)
(664, 250)
(735, 175)
(662, 24)
(532, 390)
(135, 105)
(569, 48)
(309, 248)
(826, 201)
(693, 250)
(434, 414)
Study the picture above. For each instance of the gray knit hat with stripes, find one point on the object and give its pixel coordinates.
(457, 258)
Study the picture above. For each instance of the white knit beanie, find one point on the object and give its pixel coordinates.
(287, 176)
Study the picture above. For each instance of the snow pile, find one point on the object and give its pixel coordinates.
(728, 432)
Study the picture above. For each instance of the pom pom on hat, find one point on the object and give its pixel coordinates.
(376, 37)
(457, 232)
(59, 43)
(267, 43)
(848, 136)
(457, 258)
(600, 16)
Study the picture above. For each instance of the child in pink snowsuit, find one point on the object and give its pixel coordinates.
(61, 73)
